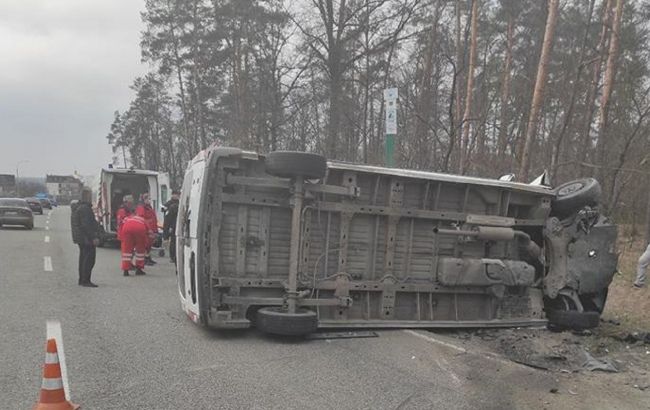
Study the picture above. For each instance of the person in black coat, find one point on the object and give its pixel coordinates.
(85, 233)
(169, 224)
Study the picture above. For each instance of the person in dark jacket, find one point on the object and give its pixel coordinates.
(85, 233)
(169, 224)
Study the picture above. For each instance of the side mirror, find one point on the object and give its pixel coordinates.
(542, 180)
(507, 177)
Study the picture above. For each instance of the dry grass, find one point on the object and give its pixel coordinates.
(629, 305)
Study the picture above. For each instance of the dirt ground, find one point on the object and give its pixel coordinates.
(629, 305)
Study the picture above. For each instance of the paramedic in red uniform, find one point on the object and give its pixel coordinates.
(145, 211)
(134, 235)
(125, 210)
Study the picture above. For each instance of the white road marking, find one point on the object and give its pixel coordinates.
(486, 355)
(47, 228)
(434, 340)
(47, 239)
(447, 369)
(47, 263)
(54, 332)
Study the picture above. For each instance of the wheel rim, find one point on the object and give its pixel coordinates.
(571, 188)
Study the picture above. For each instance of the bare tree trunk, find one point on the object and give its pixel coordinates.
(593, 88)
(538, 93)
(455, 123)
(464, 142)
(179, 73)
(647, 221)
(505, 90)
(423, 110)
(366, 85)
(568, 114)
(608, 85)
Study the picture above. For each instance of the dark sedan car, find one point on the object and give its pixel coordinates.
(45, 203)
(16, 211)
(35, 205)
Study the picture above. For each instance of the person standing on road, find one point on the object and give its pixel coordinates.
(169, 224)
(145, 211)
(642, 266)
(85, 233)
(125, 211)
(133, 235)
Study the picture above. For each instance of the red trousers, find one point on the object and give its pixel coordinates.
(133, 236)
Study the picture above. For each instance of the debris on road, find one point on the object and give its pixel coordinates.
(341, 335)
(565, 352)
(591, 364)
(634, 337)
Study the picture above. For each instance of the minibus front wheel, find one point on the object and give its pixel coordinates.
(277, 320)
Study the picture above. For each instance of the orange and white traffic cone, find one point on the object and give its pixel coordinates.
(52, 391)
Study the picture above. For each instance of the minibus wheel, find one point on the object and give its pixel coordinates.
(290, 164)
(571, 320)
(277, 320)
(575, 195)
(563, 314)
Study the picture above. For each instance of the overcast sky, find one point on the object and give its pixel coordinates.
(65, 67)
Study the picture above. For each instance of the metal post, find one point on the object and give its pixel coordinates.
(17, 184)
(294, 251)
(390, 97)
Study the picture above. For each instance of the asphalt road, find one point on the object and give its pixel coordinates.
(129, 346)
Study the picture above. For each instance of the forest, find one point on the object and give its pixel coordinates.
(486, 87)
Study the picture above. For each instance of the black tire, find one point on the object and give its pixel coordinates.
(574, 195)
(290, 164)
(572, 319)
(277, 321)
(595, 301)
(29, 226)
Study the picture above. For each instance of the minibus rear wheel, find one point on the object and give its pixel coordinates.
(277, 320)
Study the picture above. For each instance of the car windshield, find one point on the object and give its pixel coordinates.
(13, 202)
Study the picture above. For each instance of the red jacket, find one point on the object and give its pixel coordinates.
(150, 219)
(122, 214)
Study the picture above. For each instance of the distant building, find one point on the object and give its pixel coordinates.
(64, 188)
(7, 185)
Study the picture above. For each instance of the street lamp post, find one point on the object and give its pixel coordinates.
(17, 184)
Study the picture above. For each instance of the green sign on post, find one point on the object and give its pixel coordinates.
(390, 98)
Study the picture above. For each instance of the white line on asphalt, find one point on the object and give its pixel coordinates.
(434, 340)
(47, 263)
(486, 355)
(54, 332)
(47, 228)
(47, 239)
(451, 373)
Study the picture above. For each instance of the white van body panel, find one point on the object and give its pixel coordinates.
(187, 238)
